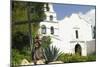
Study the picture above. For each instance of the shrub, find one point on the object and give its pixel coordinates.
(91, 58)
(69, 58)
(78, 58)
(64, 57)
(20, 48)
(20, 40)
(16, 57)
(46, 41)
(27, 54)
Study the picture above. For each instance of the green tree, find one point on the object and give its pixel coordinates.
(26, 17)
(19, 11)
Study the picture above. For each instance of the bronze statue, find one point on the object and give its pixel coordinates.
(37, 51)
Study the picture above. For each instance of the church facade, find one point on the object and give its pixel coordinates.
(71, 35)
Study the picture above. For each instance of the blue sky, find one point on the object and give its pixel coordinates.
(63, 10)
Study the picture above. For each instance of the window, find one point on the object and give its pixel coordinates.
(51, 17)
(52, 30)
(76, 32)
(43, 29)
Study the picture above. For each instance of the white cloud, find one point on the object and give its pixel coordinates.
(89, 16)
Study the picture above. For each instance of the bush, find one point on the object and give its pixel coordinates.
(20, 40)
(64, 57)
(46, 41)
(16, 57)
(27, 54)
(78, 58)
(20, 48)
(91, 58)
(69, 58)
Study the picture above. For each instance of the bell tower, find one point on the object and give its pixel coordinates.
(50, 26)
(50, 13)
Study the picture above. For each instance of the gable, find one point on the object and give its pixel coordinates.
(74, 21)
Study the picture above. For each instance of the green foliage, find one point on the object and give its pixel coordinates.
(20, 11)
(35, 28)
(20, 28)
(78, 58)
(16, 57)
(51, 53)
(20, 41)
(38, 13)
(46, 41)
(91, 58)
(63, 57)
(69, 58)
(20, 48)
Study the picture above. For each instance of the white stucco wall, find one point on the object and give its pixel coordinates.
(67, 28)
(91, 47)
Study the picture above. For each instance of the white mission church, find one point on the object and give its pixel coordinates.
(71, 35)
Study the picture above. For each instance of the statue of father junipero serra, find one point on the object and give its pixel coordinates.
(37, 51)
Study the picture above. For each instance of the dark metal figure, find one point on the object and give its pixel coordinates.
(37, 51)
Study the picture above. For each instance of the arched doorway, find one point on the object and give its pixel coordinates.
(78, 49)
